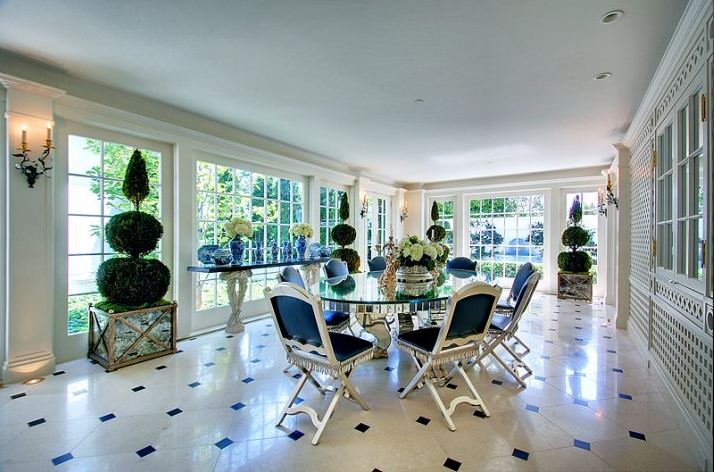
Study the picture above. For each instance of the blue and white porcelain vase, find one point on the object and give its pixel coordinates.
(237, 248)
(274, 250)
(287, 251)
(301, 247)
(258, 251)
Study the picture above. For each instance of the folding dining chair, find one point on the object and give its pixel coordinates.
(507, 307)
(458, 339)
(310, 347)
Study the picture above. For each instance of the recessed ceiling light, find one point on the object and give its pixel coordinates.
(602, 76)
(419, 101)
(611, 16)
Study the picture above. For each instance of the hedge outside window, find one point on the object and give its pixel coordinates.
(95, 175)
(506, 232)
(589, 223)
(271, 203)
(329, 208)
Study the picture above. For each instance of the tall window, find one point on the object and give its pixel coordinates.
(446, 219)
(329, 213)
(95, 173)
(665, 181)
(376, 225)
(271, 203)
(506, 232)
(589, 223)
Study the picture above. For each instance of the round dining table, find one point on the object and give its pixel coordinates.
(377, 308)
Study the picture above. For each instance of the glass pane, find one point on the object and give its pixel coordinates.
(683, 148)
(284, 189)
(116, 159)
(257, 211)
(242, 182)
(205, 206)
(205, 179)
(114, 200)
(297, 213)
(683, 190)
(82, 274)
(284, 212)
(153, 165)
(684, 245)
(258, 185)
(698, 179)
(271, 211)
(272, 187)
(205, 294)
(84, 235)
(84, 156)
(698, 230)
(77, 315)
(225, 179)
(83, 196)
(224, 207)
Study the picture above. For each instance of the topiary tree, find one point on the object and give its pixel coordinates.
(574, 237)
(435, 232)
(131, 282)
(344, 235)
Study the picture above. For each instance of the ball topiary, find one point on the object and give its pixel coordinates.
(134, 233)
(575, 237)
(436, 233)
(132, 281)
(350, 256)
(343, 234)
(574, 261)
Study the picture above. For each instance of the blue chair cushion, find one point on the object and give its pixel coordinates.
(500, 322)
(335, 318)
(504, 305)
(346, 346)
(424, 339)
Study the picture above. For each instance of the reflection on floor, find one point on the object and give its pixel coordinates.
(591, 405)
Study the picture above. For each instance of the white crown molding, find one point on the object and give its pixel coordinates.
(687, 29)
(16, 83)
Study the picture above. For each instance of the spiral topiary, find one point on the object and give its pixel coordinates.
(436, 232)
(133, 282)
(575, 237)
(344, 235)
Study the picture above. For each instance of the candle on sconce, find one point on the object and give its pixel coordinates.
(23, 140)
(49, 131)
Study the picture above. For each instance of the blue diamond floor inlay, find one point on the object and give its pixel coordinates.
(63, 458)
(138, 389)
(579, 339)
(619, 371)
(612, 351)
(106, 418)
(161, 367)
(298, 400)
(297, 376)
(452, 464)
(79, 392)
(389, 369)
(223, 443)
(607, 337)
(625, 396)
(538, 377)
(36, 422)
(145, 451)
(532, 408)
(295, 435)
(194, 384)
(220, 349)
(497, 382)
(174, 412)
(519, 454)
(247, 380)
(260, 346)
(254, 361)
(578, 401)
(60, 372)
(580, 374)
(237, 406)
(545, 357)
(636, 435)
(581, 444)
(549, 342)
(209, 364)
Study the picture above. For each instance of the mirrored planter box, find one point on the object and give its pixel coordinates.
(575, 286)
(121, 339)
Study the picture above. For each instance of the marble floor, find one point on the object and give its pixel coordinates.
(591, 405)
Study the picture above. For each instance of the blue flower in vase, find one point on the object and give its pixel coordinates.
(274, 250)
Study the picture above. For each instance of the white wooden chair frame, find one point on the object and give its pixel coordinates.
(497, 338)
(510, 312)
(432, 364)
(310, 359)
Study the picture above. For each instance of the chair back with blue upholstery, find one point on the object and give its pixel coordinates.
(523, 300)
(336, 268)
(377, 263)
(468, 316)
(520, 279)
(461, 263)
(300, 322)
(291, 274)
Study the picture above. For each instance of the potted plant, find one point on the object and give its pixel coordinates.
(574, 279)
(238, 228)
(417, 259)
(133, 322)
(436, 233)
(301, 231)
(344, 235)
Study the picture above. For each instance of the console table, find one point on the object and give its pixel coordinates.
(236, 277)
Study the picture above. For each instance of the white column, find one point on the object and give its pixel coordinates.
(397, 224)
(29, 308)
(184, 235)
(358, 192)
(622, 228)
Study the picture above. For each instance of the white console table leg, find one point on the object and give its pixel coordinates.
(236, 297)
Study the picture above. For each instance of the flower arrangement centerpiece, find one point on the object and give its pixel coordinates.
(417, 259)
(238, 228)
(301, 231)
(344, 235)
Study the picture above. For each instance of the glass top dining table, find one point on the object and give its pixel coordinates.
(377, 309)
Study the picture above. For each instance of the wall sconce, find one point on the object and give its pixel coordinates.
(365, 207)
(404, 213)
(606, 197)
(33, 168)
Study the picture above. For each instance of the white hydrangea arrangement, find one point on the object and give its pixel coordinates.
(301, 229)
(414, 251)
(238, 227)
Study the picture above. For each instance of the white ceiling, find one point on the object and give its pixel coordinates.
(507, 85)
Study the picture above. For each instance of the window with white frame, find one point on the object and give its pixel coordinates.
(376, 224)
(95, 176)
(505, 232)
(329, 213)
(589, 223)
(271, 203)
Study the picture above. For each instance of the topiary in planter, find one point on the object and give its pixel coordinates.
(344, 235)
(133, 282)
(575, 237)
(435, 232)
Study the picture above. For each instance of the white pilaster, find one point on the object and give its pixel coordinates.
(29, 311)
(397, 223)
(358, 192)
(416, 223)
(622, 228)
